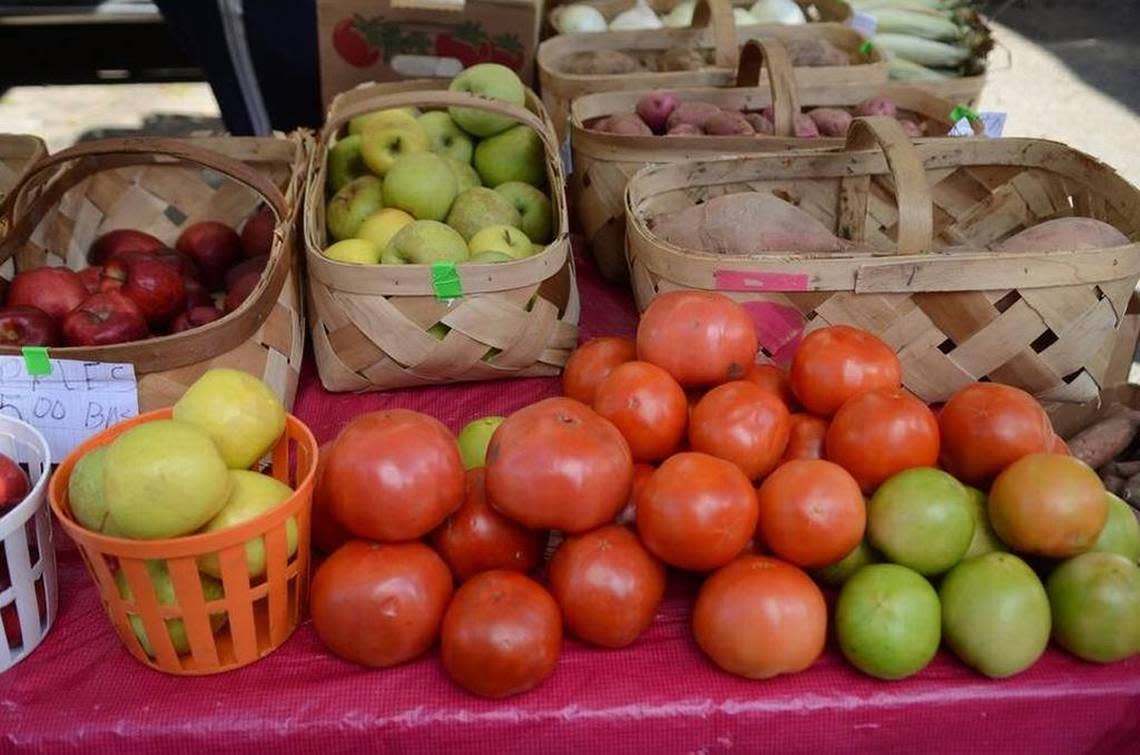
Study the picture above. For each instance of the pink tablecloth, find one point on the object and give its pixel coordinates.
(81, 692)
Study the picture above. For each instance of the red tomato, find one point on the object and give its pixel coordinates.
(759, 617)
(771, 378)
(607, 585)
(1059, 446)
(986, 427)
(591, 363)
(380, 604)
(698, 337)
(393, 475)
(805, 437)
(502, 635)
(696, 511)
(558, 465)
(327, 533)
(811, 513)
(1048, 505)
(476, 538)
(742, 423)
(838, 362)
(878, 434)
(641, 475)
(645, 403)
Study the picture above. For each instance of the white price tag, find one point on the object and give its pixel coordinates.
(993, 123)
(962, 128)
(75, 401)
(864, 23)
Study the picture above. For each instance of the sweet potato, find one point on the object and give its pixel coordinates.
(655, 107)
(627, 124)
(729, 123)
(1123, 469)
(694, 113)
(1064, 234)
(805, 127)
(684, 129)
(747, 223)
(760, 123)
(1113, 484)
(881, 105)
(681, 59)
(598, 62)
(1108, 438)
(830, 121)
(1130, 492)
(813, 53)
(910, 128)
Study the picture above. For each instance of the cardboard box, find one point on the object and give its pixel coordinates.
(389, 40)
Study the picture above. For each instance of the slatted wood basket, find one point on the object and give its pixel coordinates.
(604, 162)
(372, 324)
(922, 277)
(713, 29)
(18, 152)
(160, 186)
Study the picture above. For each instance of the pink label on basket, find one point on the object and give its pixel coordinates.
(778, 327)
(736, 280)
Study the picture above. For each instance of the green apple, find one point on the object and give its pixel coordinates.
(251, 495)
(164, 593)
(382, 147)
(397, 116)
(240, 412)
(163, 479)
(421, 185)
(465, 176)
(424, 242)
(536, 248)
(382, 226)
(345, 163)
(479, 207)
(474, 438)
(355, 251)
(495, 82)
(85, 490)
(446, 138)
(501, 238)
(489, 258)
(533, 206)
(355, 201)
(514, 155)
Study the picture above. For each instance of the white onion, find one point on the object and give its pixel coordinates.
(741, 17)
(777, 12)
(576, 18)
(681, 15)
(640, 16)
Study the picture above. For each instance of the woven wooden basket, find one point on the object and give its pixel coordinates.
(834, 11)
(18, 152)
(159, 186)
(923, 214)
(603, 163)
(370, 323)
(713, 28)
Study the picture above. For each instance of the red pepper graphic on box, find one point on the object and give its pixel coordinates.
(352, 44)
(362, 41)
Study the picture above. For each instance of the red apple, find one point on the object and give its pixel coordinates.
(194, 318)
(215, 247)
(196, 294)
(179, 261)
(13, 482)
(55, 290)
(105, 318)
(254, 264)
(123, 240)
(257, 233)
(27, 326)
(92, 278)
(3, 290)
(152, 284)
(241, 290)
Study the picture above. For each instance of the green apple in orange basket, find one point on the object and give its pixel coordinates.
(446, 138)
(474, 438)
(465, 176)
(238, 411)
(350, 206)
(396, 116)
(85, 490)
(501, 238)
(251, 495)
(479, 207)
(421, 185)
(424, 242)
(492, 81)
(516, 154)
(533, 208)
(164, 592)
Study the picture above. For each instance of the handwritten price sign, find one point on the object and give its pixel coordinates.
(71, 403)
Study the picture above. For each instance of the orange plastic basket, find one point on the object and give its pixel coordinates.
(259, 614)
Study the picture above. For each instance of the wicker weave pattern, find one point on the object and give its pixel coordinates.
(1046, 322)
(17, 153)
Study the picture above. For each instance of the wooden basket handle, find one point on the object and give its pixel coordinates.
(781, 80)
(912, 192)
(717, 15)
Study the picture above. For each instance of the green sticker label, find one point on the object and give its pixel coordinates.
(445, 280)
(866, 47)
(963, 111)
(36, 360)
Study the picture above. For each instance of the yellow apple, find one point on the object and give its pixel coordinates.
(164, 592)
(251, 495)
(163, 479)
(242, 415)
(380, 227)
(356, 251)
(397, 116)
(381, 147)
(501, 238)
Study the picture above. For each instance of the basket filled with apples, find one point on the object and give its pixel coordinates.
(18, 152)
(614, 134)
(436, 236)
(28, 592)
(194, 523)
(173, 255)
(574, 65)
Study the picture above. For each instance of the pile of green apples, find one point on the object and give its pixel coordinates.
(193, 473)
(458, 185)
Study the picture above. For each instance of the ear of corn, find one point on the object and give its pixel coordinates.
(924, 24)
(904, 70)
(925, 52)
